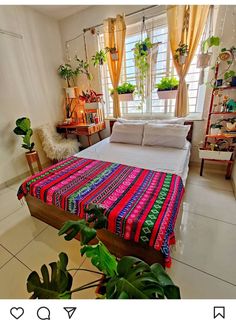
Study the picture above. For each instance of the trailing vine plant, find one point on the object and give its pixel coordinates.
(141, 53)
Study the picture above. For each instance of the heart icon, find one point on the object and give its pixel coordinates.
(17, 312)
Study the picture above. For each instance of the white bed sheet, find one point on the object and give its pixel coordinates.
(164, 159)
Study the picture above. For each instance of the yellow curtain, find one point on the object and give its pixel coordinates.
(114, 31)
(185, 24)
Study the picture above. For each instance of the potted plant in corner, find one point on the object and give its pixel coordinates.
(203, 59)
(23, 129)
(125, 278)
(125, 92)
(181, 53)
(167, 88)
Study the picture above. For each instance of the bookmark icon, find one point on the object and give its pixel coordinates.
(70, 311)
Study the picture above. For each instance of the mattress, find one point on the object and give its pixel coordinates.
(163, 159)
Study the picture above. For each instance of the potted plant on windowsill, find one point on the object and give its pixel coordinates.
(181, 53)
(91, 99)
(126, 278)
(125, 92)
(167, 88)
(203, 59)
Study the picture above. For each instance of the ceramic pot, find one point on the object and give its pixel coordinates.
(71, 92)
(165, 95)
(126, 97)
(203, 60)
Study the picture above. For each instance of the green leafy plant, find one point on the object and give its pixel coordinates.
(141, 52)
(82, 68)
(182, 50)
(128, 277)
(167, 84)
(23, 128)
(124, 88)
(100, 57)
(216, 126)
(67, 73)
(210, 42)
(229, 74)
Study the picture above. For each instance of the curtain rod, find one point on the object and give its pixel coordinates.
(10, 33)
(99, 25)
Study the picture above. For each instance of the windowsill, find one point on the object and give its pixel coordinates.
(190, 117)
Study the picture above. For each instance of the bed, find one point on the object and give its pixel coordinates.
(116, 160)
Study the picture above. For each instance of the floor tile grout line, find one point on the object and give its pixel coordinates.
(205, 272)
(209, 217)
(12, 212)
(23, 263)
(6, 262)
(30, 241)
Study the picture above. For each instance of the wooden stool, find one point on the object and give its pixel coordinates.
(33, 157)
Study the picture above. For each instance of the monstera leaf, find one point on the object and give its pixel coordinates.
(136, 279)
(72, 228)
(57, 286)
(101, 258)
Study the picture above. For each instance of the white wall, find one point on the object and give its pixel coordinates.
(30, 85)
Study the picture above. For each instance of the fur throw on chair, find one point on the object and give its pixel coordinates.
(55, 146)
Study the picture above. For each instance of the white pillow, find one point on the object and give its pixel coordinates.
(166, 135)
(127, 133)
(167, 121)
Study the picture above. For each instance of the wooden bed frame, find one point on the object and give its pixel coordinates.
(56, 217)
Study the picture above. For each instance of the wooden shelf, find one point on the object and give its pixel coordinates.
(222, 136)
(224, 88)
(234, 113)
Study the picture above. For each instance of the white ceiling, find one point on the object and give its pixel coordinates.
(59, 11)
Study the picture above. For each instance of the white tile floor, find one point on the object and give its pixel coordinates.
(204, 262)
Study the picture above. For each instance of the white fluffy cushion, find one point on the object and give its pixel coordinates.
(127, 133)
(166, 135)
(156, 121)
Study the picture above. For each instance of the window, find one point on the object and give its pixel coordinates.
(157, 30)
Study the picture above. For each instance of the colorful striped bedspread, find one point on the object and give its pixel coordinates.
(141, 205)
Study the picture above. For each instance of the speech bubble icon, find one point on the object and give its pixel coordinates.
(43, 313)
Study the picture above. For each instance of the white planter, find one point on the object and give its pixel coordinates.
(92, 105)
(126, 97)
(215, 131)
(115, 56)
(71, 92)
(217, 155)
(203, 60)
(164, 95)
(182, 59)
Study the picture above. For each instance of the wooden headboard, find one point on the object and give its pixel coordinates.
(189, 136)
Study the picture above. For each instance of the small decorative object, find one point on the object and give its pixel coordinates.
(181, 53)
(69, 111)
(231, 105)
(233, 82)
(167, 88)
(230, 124)
(141, 51)
(82, 68)
(225, 55)
(91, 99)
(23, 129)
(100, 57)
(125, 92)
(203, 59)
(218, 83)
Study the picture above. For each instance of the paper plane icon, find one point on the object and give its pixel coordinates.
(70, 311)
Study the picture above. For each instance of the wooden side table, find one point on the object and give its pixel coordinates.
(33, 157)
(82, 129)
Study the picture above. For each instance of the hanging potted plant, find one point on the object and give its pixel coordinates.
(167, 88)
(203, 59)
(141, 53)
(91, 99)
(125, 92)
(23, 129)
(100, 57)
(113, 52)
(181, 53)
(67, 73)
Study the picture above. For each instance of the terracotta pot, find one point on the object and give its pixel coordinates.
(203, 60)
(165, 95)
